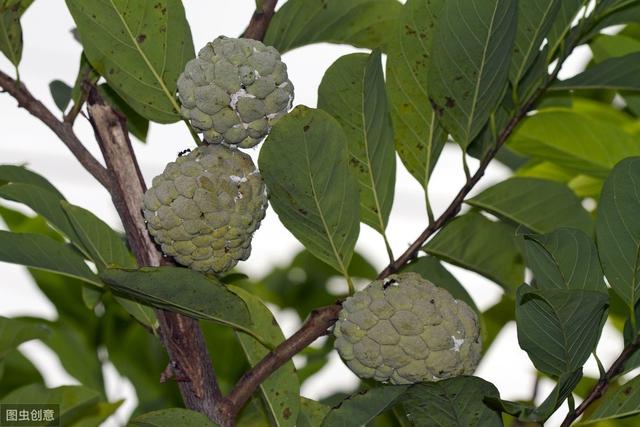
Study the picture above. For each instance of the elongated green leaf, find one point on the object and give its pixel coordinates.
(418, 138)
(476, 243)
(470, 63)
(619, 401)
(618, 230)
(18, 372)
(22, 175)
(106, 247)
(361, 408)
(98, 414)
(43, 202)
(11, 30)
(575, 141)
(311, 413)
(455, 402)
(564, 259)
(280, 392)
(183, 291)
(362, 23)
(304, 163)
(172, 417)
(535, 19)
(139, 47)
(620, 73)
(538, 204)
(562, 24)
(45, 253)
(61, 94)
(432, 270)
(625, 15)
(14, 332)
(352, 90)
(559, 328)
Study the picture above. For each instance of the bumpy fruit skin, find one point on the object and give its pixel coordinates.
(205, 206)
(234, 90)
(405, 330)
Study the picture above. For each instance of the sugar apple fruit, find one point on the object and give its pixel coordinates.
(234, 90)
(405, 330)
(205, 206)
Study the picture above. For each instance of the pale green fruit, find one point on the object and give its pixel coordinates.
(204, 208)
(405, 330)
(234, 90)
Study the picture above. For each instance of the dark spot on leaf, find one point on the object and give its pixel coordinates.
(141, 38)
(286, 413)
(303, 211)
(305, 128)
(450, 102)
(627, 391)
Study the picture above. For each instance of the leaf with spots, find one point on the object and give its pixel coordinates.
(469, 64)
(418, 138)
(10, 28)
(618, 401)
(304, 163)
(140, 47)
(352, 90)
(280, 392)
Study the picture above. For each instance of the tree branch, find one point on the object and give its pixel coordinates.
(260, 21)
(603, 384)
(318, 323)
(180, 335)
(63, 130)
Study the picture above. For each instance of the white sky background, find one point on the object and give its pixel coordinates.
(51, 53)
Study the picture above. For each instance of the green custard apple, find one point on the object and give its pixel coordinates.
(204, 208)
(405, 330)
(234, 90)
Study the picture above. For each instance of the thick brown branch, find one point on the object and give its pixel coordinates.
(180, 335)
(64, 131)
(603, 384)
(260, 20)
(316, 325)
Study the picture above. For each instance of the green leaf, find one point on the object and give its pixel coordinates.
(136, 124)
(478, 244)
(74, 401)
(620, 73)
(98, 414)
(61, 94)
(535, 19)
(559, 328)
(171, 418)
(470, 63)
(106, 247)
(353, 91)
(619, 401)
(311, 413)
(418, 138)
(183, 291)
(18, 372)
(22, 175)
(432, 270)
(574, 141)
(86, 74)
(304, 163)
(564, 259)
(455, 402)
(45, 253)
(495, 319)
(361, 23)
(14, 332)
(362, 407)
(562, 24)
(45, 203)
(618, 230)
(538, 204)
(140, 48)
(281, 390)
(11, 30)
